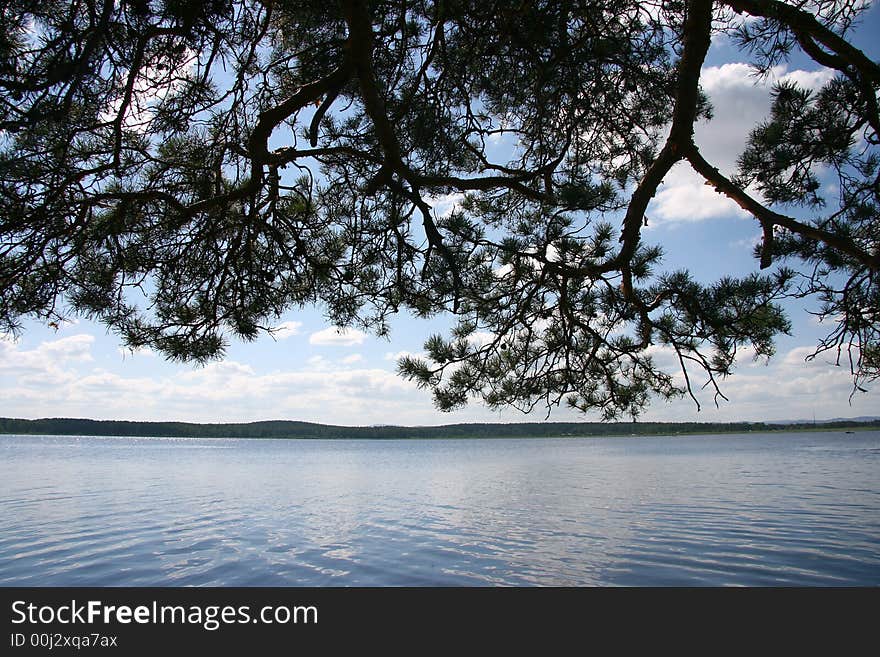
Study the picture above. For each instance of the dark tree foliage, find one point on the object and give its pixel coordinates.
(187, 171)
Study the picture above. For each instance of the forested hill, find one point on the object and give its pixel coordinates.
(290, 429)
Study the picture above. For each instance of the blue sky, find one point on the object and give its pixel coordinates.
(312, 372)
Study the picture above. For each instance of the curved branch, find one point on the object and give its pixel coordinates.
(840, 64)
(484, 183)
(285, 155)
(270, 119)
(320, 112)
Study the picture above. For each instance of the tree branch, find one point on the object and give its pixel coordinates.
(360, 44)
(269, 119)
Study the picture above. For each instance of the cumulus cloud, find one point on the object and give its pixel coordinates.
(792, 387)
(748, 242)
(444, 204)
(286, 330)
(740, 100)
(137, 351)
(788, 387)
(62, 378)
(481, 338)
(51, 355)
(71, 377)
(37, 372)
(227, 392)
(72, 348)
(684, 197)
(337, 337)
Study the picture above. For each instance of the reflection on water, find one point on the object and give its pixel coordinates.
(782, 509)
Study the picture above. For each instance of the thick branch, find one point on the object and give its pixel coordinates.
(360, 43)
(286, 155)
(839, 63)
(272, 117)
(128, 93)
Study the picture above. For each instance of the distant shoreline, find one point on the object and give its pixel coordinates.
(286, 429)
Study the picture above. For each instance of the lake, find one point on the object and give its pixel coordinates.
(752, 509)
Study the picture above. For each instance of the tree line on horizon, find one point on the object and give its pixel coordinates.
(293, 429)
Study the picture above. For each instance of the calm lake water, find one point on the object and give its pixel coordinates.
(772, 509)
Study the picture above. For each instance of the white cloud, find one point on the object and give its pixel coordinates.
(397, 355)
(319, 363)
(741, 76)
(684, 197)
(77, 376)
(72, 377)
(138, 351)
(663, 357)
(444, 204)
(337, 337)
(224, 392)
(50, 355)
(748, 242)
(813, 80)
(740, 100)
(74, 347)
(797, 356)
(217, 371)
(481, 338)
(787, 388)
(792, 385)
(286, 330)
(151, 87)
(39, 371)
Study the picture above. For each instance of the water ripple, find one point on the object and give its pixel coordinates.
(796, 510)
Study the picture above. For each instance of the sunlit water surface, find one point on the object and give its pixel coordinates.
(772, 509)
